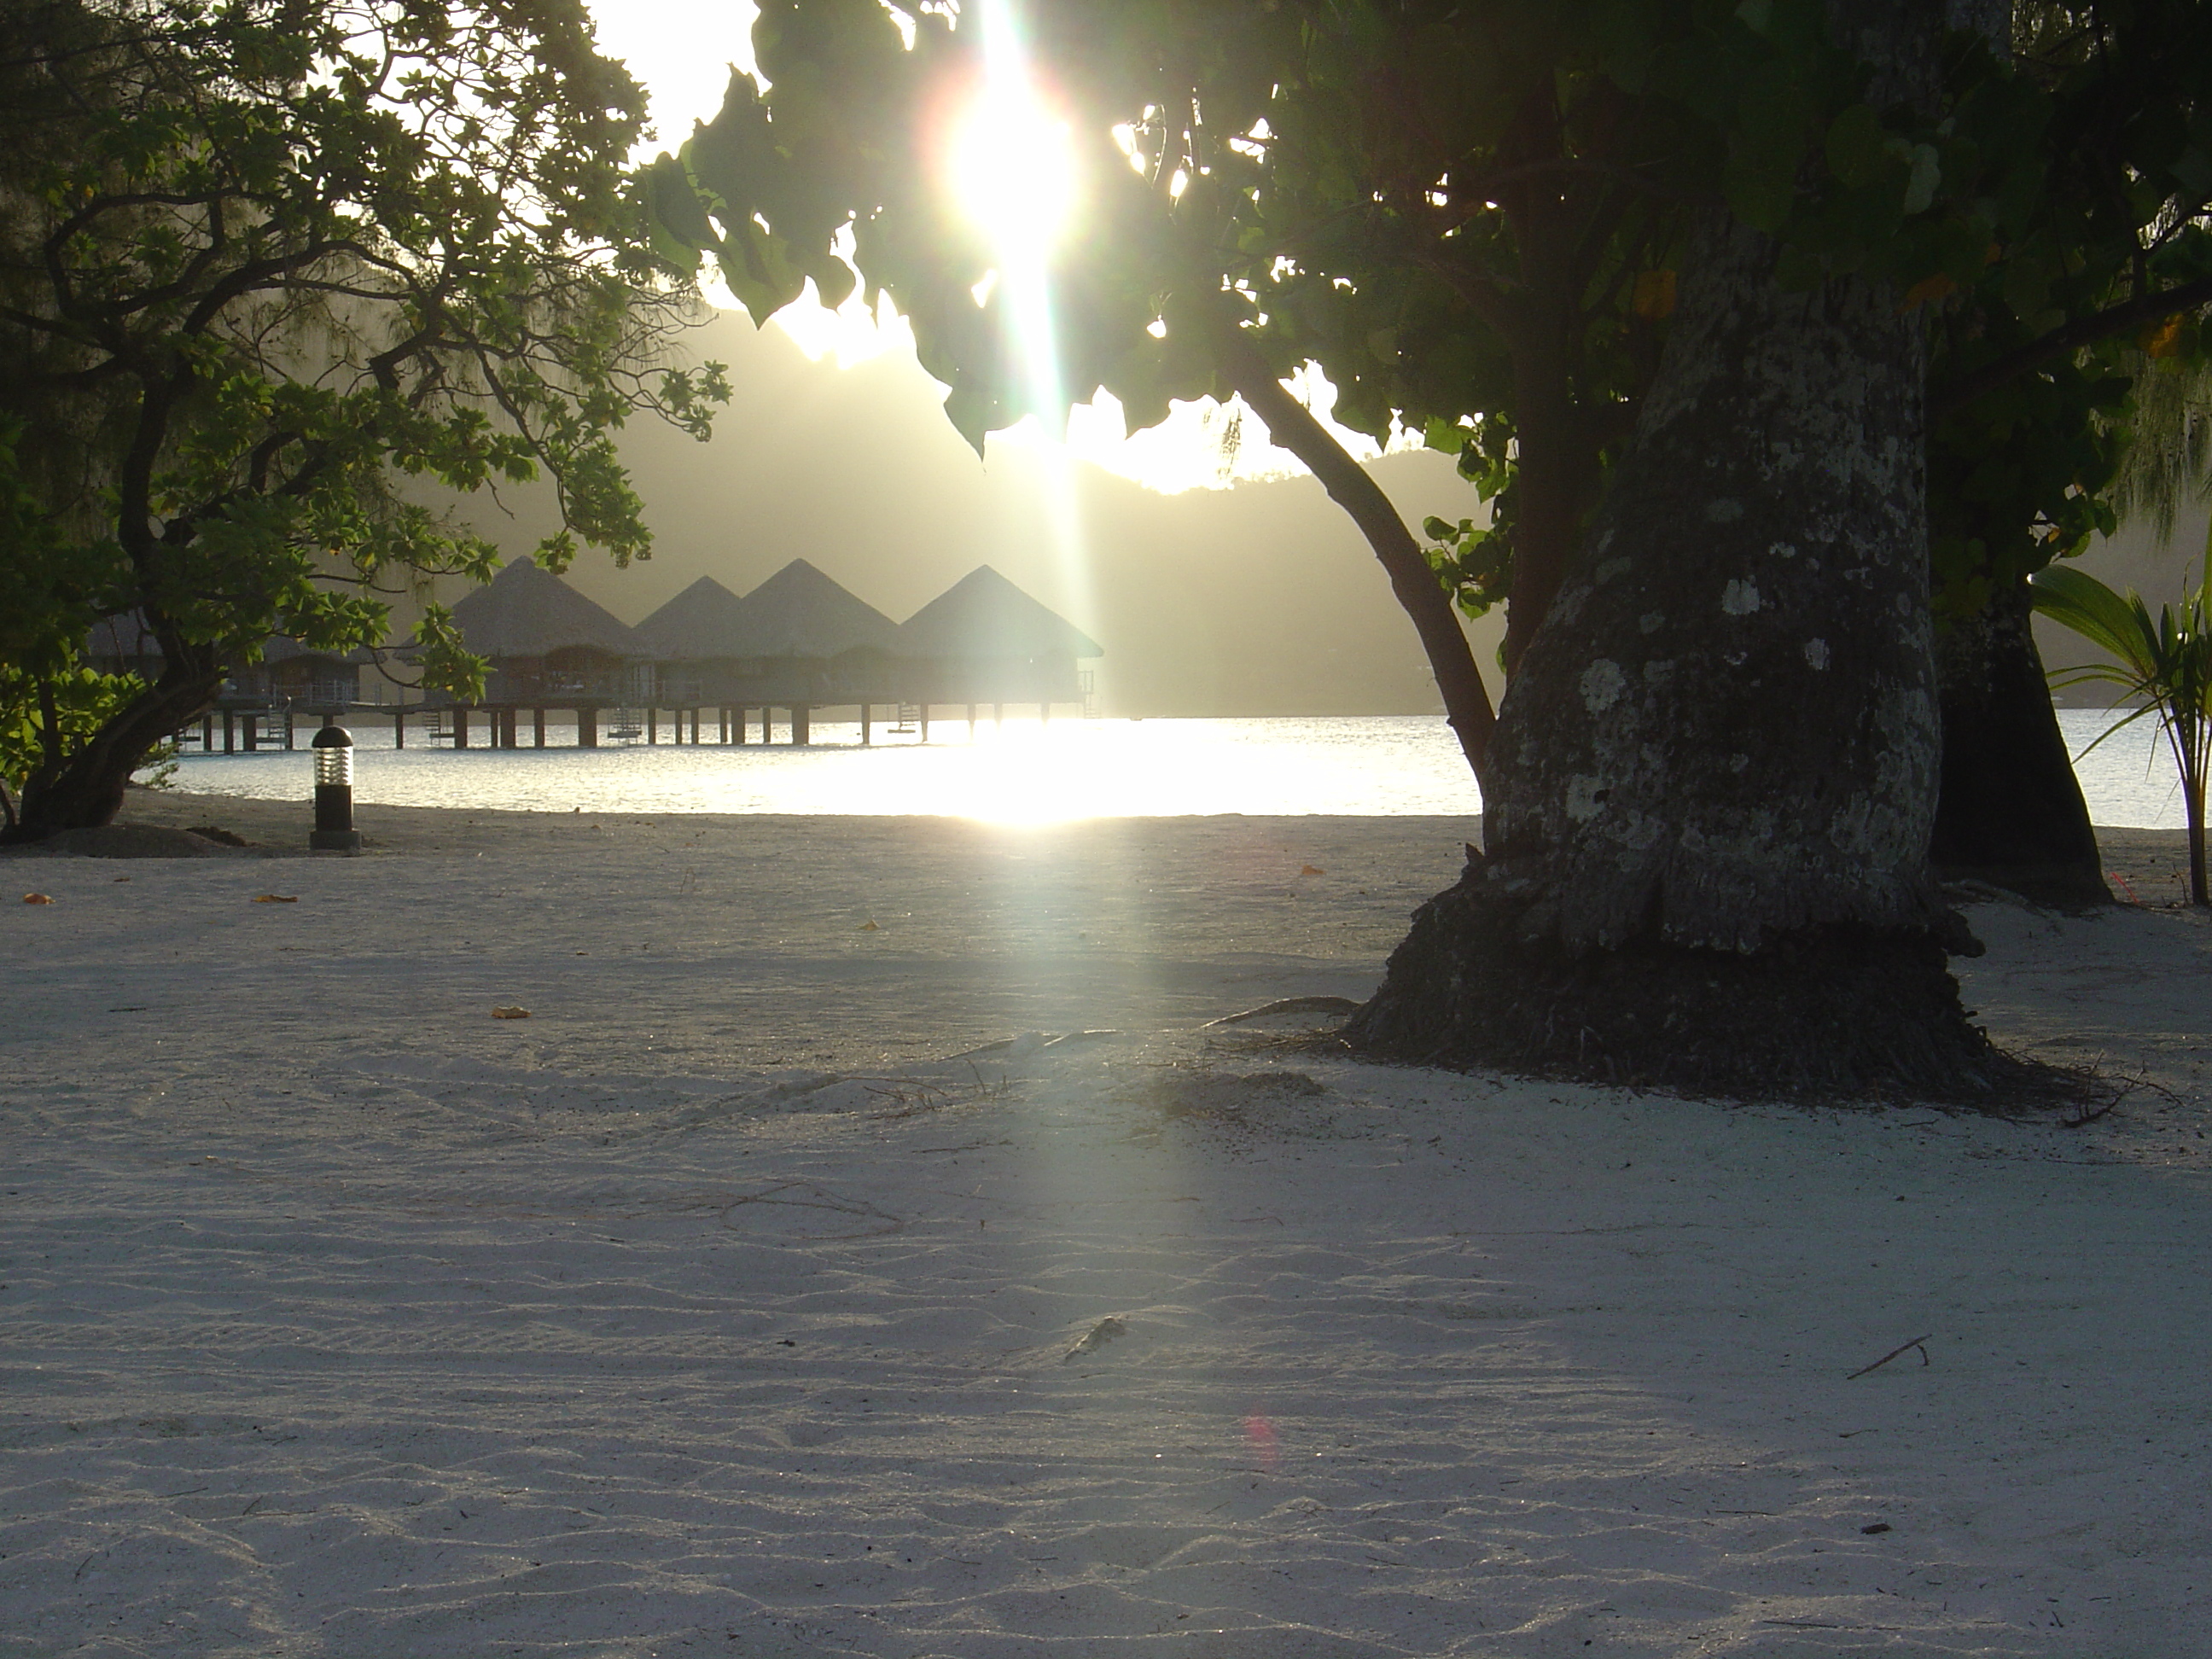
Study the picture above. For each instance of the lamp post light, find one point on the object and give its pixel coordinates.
(334, 831)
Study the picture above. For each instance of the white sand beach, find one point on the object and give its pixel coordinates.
(721, 1307)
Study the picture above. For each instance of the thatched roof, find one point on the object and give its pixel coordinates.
(696, 624)
(983, 616)
(527, 612)
(797, 612)
(126, 635)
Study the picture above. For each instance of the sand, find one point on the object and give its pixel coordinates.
(718, 1307)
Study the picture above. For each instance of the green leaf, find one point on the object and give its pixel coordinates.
(677, 207)
(1759, 199)
(1855, 151)
(1772, 118)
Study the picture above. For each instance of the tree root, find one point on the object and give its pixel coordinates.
(1832, 1014)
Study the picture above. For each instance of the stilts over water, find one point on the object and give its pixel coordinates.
(708, 666)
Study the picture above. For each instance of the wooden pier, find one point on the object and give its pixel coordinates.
(493, 726)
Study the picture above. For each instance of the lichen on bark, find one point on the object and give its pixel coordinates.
(1727, 728)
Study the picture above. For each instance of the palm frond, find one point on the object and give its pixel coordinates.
(2116, 624)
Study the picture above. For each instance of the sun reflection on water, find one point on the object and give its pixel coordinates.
(1021, 773)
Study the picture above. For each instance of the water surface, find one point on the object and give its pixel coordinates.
(1023, 772)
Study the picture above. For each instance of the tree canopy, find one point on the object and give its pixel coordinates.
(273, 272)
(1470, 216)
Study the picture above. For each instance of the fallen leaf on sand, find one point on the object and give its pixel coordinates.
(275, 898)
(1312, 870)
(36, 898)
(870, 927)
(1101, 1333)
(510, 1013)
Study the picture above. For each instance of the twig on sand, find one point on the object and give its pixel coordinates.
(2126, 1085)
(999, 1046)
(1018, 1047)
(2088, 1115)
(1289, 1005)
(1902, 1347)
(817, 1198)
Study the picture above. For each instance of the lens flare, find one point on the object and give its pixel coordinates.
(1014, 171)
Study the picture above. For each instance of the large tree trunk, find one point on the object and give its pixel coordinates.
(2011, 811)
(1712, 784)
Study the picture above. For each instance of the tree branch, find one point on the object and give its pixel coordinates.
(1947, 400)
(1290, 423)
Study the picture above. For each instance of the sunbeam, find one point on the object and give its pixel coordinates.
(1011, 167)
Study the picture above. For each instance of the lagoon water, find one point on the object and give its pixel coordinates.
(1023, 772)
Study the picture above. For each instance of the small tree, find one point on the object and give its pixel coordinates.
(269, 271)
(2164, 666)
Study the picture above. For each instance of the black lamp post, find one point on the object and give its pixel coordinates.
(334, 831)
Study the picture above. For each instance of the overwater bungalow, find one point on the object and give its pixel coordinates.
(291, 674)
(984, 641)
(691, 639)
(549, 647)
(799, 641)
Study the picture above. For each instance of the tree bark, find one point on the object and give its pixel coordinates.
(1557, 469)
(2010, 812)
(1712, 784)
(1559, 473)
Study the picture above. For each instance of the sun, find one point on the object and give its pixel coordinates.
(1011, 166)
